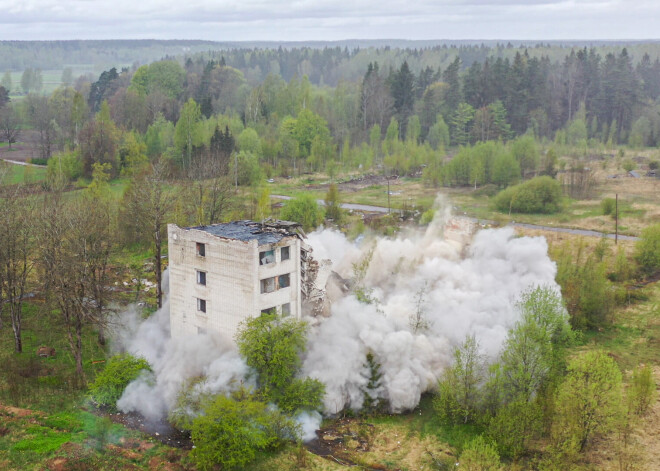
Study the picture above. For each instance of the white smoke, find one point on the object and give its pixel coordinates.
(175, 361)
(459, 290)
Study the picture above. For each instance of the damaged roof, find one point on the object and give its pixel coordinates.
(268, 232)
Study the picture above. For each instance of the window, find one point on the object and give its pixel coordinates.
(201, 249)
(266, 257)
(270, 310)
(201, 305)
(284, 253)
(201, 277)
(286, 309)
(283, 281)
(268, 285)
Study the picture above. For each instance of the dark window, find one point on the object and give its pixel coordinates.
(284, 252)
(201, 278)
(266, 257)
(283, 281)
(268, 285)
(201, 249)
(270, 310)
(286, 309)
(201, 305)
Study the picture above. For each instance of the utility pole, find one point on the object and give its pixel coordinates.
(616, 220)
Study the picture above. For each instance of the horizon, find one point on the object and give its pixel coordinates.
(329, 20)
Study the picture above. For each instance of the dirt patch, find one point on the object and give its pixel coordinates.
(57, 464)
(353, 442)
(18, 412)
(160, 430)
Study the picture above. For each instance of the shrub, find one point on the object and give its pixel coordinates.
(607, 206)
(232, 431)
(538, 195)
(303, 209)
(647, 250)
(479, 455)
(653, 165)
(109, 385)
(642, 390)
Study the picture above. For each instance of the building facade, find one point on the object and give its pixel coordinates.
(222, 274)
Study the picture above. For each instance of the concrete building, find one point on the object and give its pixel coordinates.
(224, 273)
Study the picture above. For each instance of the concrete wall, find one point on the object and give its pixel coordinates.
(232, 291)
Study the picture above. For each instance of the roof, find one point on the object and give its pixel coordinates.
(268, 232)
(634, 174)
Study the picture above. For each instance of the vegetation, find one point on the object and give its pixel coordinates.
(539, 195)
(232, 431)
(647, 250)
(109, 385)
(192, 140)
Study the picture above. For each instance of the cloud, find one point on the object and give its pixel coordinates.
(329, 19)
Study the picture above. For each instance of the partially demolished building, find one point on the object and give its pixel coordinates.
(224, 273)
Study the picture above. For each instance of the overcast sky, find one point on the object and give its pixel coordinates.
(231, 20)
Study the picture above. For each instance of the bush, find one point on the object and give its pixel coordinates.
(608, 206)
(64, 167)
(647, 250)
(538, 195)
(479, 455)
(232, 431)
(109, 385)
(641, 393)
(303, 209)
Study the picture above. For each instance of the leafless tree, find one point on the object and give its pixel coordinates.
(147, 204)
(74, 239)
(16, 257)
(9, 125)
(211, 190)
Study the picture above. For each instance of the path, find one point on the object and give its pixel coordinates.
(566, 230)
(17, 162)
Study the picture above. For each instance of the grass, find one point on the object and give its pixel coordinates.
(22, 173)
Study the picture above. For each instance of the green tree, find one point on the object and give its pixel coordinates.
(333, 204)
(460, 124)
(588, 402)
(458, 390)
(526, 152)
(232, 431)
(303, 209)
(249, 141)
(109, 384)
(647, 250)
(438, 136)
(188, 132)
(479, 455)
(272, 346)
(7, 81)
(166, 77)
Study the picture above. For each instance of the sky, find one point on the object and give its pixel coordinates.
(299, 20)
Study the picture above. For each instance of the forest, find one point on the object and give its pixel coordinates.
(549, 135)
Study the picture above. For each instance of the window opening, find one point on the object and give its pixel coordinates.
(201, 277)
(283, 281)
(266, 257)
(284, 253)
(201, 249)
(286, 309)
(201, 305)
(268, 285)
